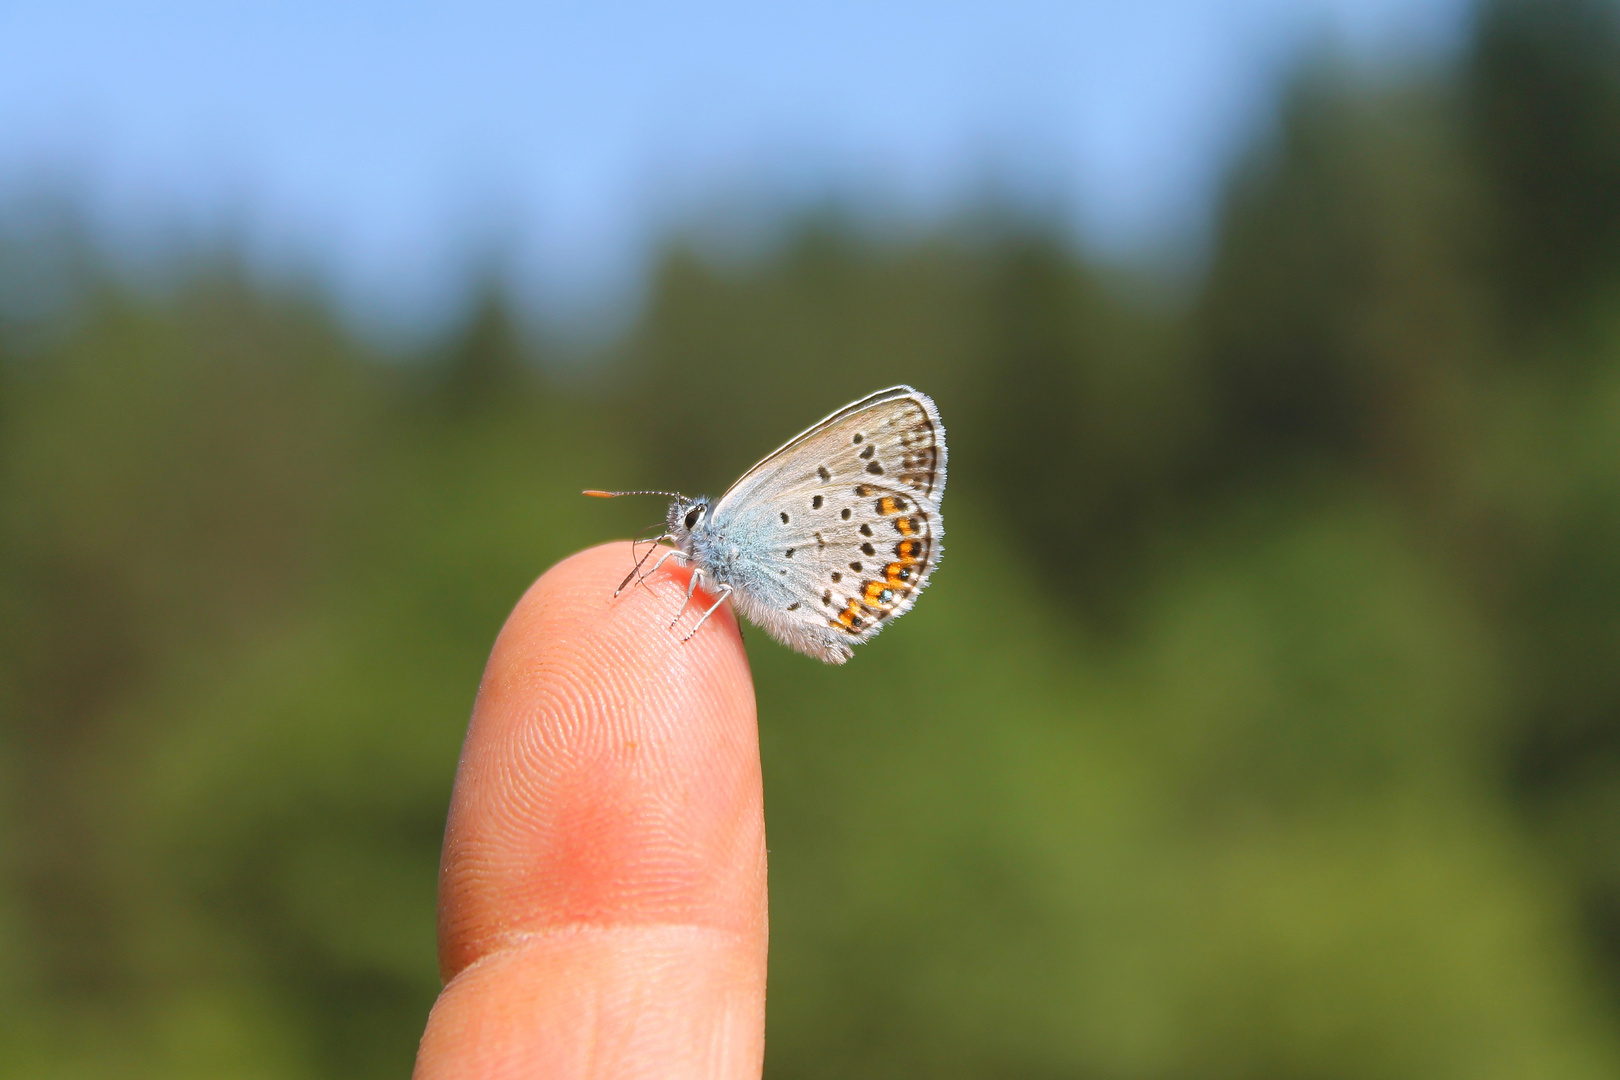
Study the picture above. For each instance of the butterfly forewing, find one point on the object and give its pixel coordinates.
(850, 510)
(894, 434)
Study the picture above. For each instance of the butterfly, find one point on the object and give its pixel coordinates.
(829, 538)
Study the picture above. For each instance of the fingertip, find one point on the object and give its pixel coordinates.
(602, 889)
(610, 774)
(571, 615)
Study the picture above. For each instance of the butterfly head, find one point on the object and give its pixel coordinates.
(686, 516)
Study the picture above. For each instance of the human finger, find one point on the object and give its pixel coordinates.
(602, 888)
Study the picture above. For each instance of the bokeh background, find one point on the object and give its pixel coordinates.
(1263, 722)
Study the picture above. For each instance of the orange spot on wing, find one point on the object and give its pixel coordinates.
(852, 618)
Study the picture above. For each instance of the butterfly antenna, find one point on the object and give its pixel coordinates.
(593, 493)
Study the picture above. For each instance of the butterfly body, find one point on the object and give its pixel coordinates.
(833, 535)
(729, 552)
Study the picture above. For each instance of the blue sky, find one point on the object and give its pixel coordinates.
(386, 143)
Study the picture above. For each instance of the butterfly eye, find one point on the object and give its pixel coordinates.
(692, 517)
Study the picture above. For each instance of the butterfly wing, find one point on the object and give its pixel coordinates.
(846, 522)
(907, 442)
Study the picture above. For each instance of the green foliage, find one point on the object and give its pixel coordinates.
(1264, 719)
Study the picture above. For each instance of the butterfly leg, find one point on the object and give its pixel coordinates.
(635, 571)
(639, 562)
(672, 553)
(691, 587)
(720, 598)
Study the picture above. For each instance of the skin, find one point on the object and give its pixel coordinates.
(602, 888)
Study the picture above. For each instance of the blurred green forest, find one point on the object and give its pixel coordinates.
(1264, 721)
